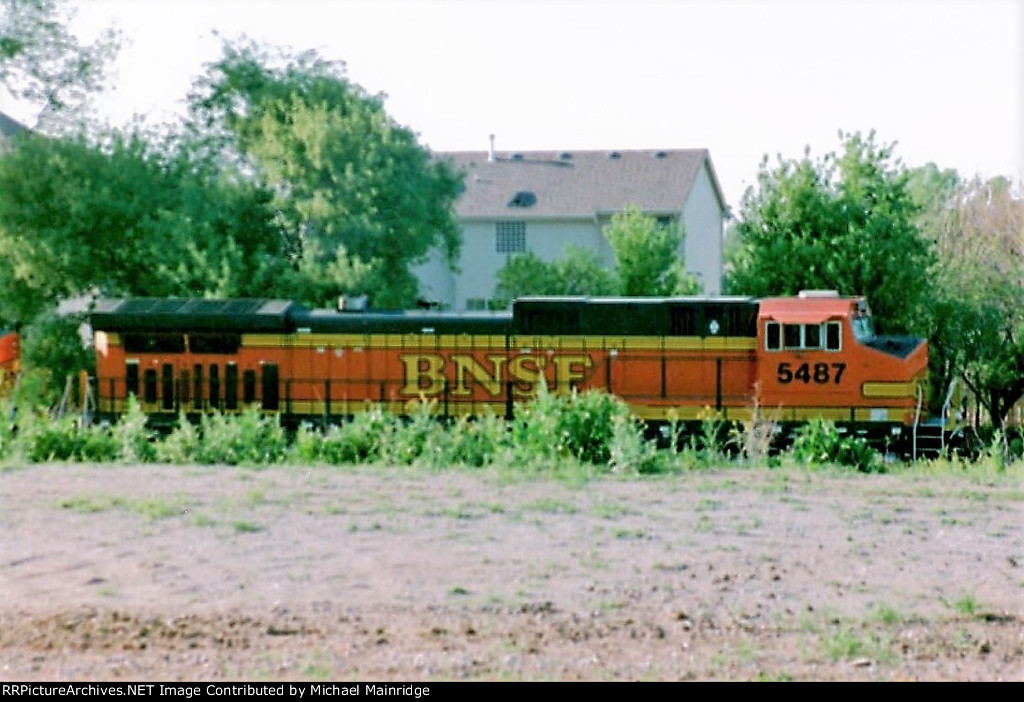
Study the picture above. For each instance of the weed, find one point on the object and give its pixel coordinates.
(887, 615)
(819, 442)
(966, 605)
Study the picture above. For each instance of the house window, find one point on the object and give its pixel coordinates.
(510, 237)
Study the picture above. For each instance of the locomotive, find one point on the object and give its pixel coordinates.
(672, 359)
(10, 359)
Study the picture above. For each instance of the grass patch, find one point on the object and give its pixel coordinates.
(152, 508)
(246, 527)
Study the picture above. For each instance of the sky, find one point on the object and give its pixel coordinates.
(943, 80)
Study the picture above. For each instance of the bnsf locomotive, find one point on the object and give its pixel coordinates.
(676, 358)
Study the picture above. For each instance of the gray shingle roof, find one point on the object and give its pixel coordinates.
(577, 183)
(10, 126)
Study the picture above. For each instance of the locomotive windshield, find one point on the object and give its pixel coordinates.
(863, 329)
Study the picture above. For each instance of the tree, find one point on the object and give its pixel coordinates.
(578, 272)
(124, 218)
(978, 311)
(345, 176)
(845, 222)
(647, 255)
(42, 61)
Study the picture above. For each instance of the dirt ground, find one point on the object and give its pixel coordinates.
(146, 573)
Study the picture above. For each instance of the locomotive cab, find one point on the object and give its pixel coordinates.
(819, 357)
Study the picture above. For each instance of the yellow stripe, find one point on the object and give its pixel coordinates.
(907, 389)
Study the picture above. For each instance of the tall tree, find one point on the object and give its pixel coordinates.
(346, 177)
(42, 61)
(846, 221)
(124, 218)
(978, 310)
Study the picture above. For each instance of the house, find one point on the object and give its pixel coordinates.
(540, 201)
(9, 127)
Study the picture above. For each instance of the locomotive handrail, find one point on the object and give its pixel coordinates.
(917, 422)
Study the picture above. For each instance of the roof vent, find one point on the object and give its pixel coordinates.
(523, 198)
(614, 155)
(565, 156)
(517, 157)
(661, 154)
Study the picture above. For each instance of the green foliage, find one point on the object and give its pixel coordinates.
(977, 315)
(52, 346)
(42, 61)
(577, 425)
(182, 445)
(477, 441)
(412, 440)
(346, 177)
(248, 439)
(647, 263)
(134, 440)
(820, 443)
(844, 222)
(578, 272)
(647, 255)
(41, 439)
(359, 441)
(124, 217)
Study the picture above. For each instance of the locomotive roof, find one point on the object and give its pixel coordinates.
(163, 314)
(401, 322)
(810, 310)
(623, 300)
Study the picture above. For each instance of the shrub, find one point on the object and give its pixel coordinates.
(404, 442)
(247, 439)
(42, 439)
(133, 438)
(819, 443)
(578, 425)
(358, 441)
(477, 442)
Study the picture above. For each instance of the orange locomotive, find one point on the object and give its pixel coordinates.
(10, 359)
(680, 358)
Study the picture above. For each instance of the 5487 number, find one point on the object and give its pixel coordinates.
(821, 373)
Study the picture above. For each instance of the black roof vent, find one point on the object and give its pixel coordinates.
(523, 198)
(661, 154)
(565, 156)
(614, 155)
(517, 157)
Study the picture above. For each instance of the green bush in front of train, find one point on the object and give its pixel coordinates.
(590, 433)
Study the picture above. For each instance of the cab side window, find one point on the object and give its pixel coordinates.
(833, 336)
(803, 337)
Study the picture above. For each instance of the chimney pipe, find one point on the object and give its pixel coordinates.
(490, 153)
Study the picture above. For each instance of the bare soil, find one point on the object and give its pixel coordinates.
(187, 573)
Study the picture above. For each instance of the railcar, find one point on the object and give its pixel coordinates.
(10, 359)
(671, 359)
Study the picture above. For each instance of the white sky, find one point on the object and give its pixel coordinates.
(942, 79)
